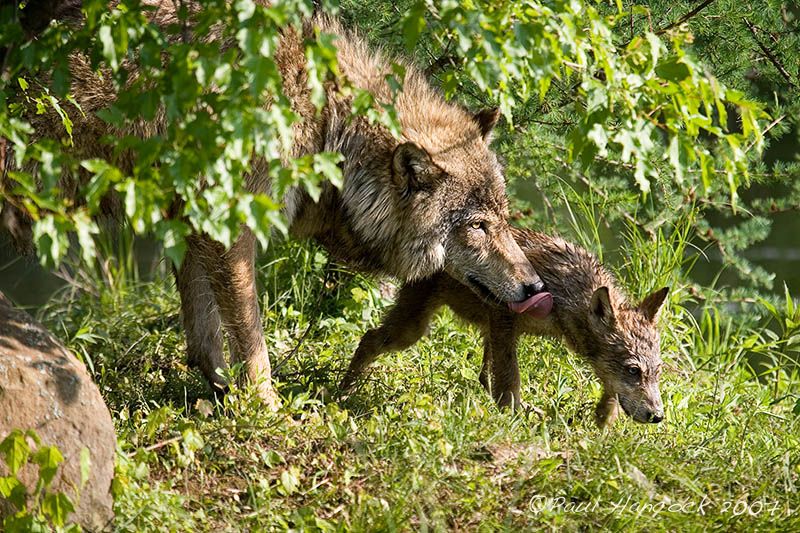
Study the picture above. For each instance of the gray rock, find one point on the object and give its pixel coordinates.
(45, 388)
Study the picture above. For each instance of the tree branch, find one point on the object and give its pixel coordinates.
(769, 55)
(686, 17)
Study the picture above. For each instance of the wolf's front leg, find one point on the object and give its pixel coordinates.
(200, 314)
(406, 323)
(234, 284)
(502, 344)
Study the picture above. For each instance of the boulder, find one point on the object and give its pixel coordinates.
(45, 388)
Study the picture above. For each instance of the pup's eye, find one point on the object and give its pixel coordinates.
(477, 225)
(634, 371)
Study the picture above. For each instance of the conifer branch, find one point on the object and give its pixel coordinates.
(770, 55)
(686, 17)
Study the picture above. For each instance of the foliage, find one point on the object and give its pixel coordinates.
(213, 95)
(473, 50)
(645, 104)
(41, 508)
(643, 101)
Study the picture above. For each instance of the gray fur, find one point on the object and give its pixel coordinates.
(405, 207)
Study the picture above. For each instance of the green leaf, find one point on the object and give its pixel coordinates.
(109, 50)
(290, 480)
(413, 24)
(327, 165)
(192, 440)
(468, 373)
(675, 158)
(57, 507)
(85, 228)
(12, 490)
(16, 450)
(48, 458)
(173, 235)
(673, 70)
(86, 464)
(52, 239)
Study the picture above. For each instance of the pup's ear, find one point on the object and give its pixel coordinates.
(487, 120)
(600, 308)
(413, 169)
(652, 303)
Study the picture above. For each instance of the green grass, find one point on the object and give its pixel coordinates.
(421, 445)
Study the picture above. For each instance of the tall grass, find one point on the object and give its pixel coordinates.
(421, 445)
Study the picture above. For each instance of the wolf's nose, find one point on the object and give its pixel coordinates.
(533, 288)
(655, 418)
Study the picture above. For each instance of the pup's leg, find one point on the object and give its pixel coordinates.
(607, 408)
(201, 322)
(504, 366)
(406, 322)
(486, 366)
(234, 284)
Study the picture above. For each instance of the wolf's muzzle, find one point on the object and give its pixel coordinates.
(531, 289)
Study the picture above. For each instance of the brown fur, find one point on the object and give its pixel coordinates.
(591, 314)
(407, 207)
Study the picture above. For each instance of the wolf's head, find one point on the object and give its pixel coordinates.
(626, 356)
(452, 184)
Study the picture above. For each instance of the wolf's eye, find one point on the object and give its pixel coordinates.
(478, 225)
(634, 371)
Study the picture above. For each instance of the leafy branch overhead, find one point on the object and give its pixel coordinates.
(647, 104)
(644, 101)
(220, 92)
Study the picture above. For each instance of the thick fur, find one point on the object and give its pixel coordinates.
(431, 201)
(619, 339)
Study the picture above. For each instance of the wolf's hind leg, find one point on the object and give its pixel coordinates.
(406, 323)
(234, 284)
(201, 321)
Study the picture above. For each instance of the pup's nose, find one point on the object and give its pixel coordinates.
(655, 418)
(533, 288)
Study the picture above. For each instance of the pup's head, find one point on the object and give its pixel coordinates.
(455, 187)
(626, 356)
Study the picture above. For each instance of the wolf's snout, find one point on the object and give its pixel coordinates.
(655, 418)
(531, 289)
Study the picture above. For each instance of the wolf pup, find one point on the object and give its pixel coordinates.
(430, 201)
(584, 306)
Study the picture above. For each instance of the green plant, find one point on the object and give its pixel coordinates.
(37, 508)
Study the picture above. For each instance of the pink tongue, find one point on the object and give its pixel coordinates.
(538, 305)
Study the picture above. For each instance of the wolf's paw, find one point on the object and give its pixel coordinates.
(529, 408)
(509, 399)
(348, 385)
(269, 397)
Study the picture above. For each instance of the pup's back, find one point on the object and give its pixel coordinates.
(570, 273)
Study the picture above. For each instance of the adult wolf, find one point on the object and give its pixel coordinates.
(432, 200)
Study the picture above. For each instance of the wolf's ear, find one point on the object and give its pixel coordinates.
(652, 303)
(600, 308)
(487, 120)
(413, 169)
